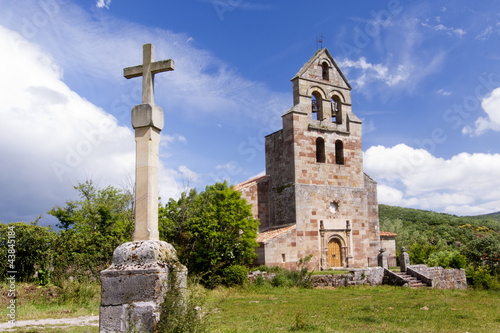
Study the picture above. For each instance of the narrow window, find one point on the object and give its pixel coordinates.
(320, 150)
(283, 257)
(339, 152)
(324, 71)
(336, 110)
(316, 103)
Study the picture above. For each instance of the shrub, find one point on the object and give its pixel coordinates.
(259, 281)
(235, 275)
(181, 312)
(447, 259)
(481, 278)
(279, 280)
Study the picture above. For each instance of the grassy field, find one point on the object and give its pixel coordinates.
(354, 309)
(267, 309)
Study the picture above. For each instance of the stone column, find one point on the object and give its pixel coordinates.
(382, 259)
(348, 243)
(147, 120)
(404, 259)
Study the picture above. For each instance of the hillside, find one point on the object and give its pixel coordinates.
(440, 229)
(495, 216)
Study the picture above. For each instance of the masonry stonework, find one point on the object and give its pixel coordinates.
(314, 178)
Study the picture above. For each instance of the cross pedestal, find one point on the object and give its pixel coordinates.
(142, 271)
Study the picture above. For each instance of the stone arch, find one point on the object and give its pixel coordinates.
(318, 90)
(325, 60)
(335, 92)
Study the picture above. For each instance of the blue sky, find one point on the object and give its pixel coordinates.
(425, 78)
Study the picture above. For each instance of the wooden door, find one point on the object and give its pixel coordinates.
(334, 256)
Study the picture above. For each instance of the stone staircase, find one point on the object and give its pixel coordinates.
(401, 279)
(413, 282)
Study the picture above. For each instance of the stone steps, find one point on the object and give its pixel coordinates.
(413, 282)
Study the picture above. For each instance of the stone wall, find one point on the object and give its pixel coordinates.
(451, 278)
(256, 192)
(280, 251)
(369, 276)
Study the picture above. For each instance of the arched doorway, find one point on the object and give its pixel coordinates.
(334, 253)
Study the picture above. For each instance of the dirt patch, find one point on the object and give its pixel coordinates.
(38, 323)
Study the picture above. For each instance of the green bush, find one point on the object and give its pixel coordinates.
(259, 281)
(279, 280)
(481, 278)
(420, 253)
(235, 275)
(180, 312)
(268, 269)
(447, 259)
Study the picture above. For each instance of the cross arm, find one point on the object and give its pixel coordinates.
(156, 67)
(131, 72)
(162, 66)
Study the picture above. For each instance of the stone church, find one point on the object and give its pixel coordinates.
(315, 198)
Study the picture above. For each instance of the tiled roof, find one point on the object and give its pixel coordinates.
(249, 182)
(270, 234)
(387, 234)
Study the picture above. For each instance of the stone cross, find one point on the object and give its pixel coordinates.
(147, 121)
(147, 70)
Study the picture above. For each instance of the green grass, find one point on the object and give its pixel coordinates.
(267, 309)
(68, 300)
(354, 309)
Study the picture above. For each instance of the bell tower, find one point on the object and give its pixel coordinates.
(315, 169)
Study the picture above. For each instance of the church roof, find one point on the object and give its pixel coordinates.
(321, 53)
(387, 234)
(270, 234)
(249, 182)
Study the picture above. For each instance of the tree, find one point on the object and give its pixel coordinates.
(106, 211)
(484, 251)
(211, 230)
(92, 228)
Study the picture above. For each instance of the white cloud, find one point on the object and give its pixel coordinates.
(189, 175)
(444, 92)
(485, 34)
(52, 138)
(464, 184)
(459, 32)
(103, 3)
(374, 72)
(491, 105)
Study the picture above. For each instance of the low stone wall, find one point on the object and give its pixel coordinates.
(451, 278)
(372, 276)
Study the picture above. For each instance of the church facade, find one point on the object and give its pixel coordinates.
(315, 198)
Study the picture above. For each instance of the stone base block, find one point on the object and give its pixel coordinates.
(133, 317)
(134, 286)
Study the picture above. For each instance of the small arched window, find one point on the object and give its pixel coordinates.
(320, 150)
(316, 106)
(339, 152)
(325, 71)
(336, 110)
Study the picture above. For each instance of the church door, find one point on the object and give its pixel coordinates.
(334, 256)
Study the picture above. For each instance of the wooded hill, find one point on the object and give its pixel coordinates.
(422, 226)
(446, 240)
